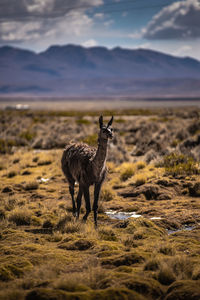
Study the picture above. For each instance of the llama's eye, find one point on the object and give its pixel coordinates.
(111, 129)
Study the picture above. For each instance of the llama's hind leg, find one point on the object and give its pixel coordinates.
(78, 201)
(97, 189)
(71, 190)
(87, 202)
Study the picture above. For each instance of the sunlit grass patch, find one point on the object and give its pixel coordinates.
(140, 179)
(126, 170)
(111, 166)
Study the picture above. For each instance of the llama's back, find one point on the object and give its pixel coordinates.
(76, 161)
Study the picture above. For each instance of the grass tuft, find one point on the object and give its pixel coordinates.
(31, 186)
(127, 170)
(20, 216)
(107, 194)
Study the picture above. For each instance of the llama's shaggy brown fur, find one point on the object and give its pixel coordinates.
(77, 160)
(86, 165)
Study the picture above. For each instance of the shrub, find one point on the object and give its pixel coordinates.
(140, 179)
(27, 135)
(127, 171)
(179, 164)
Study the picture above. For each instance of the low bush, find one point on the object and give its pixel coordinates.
(127, 170)
(27, 135)
(179, 164)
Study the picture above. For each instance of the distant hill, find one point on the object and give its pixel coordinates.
(77, 71)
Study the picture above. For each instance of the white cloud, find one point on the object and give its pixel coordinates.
(108, 23)
(90, 43)
(40, 6)
(26, 9)
(135, 35)
(180, 20)
(144, 46)
(37, 20)
(99, 15)
(183, 50)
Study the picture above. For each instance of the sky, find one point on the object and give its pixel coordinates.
(168, 26)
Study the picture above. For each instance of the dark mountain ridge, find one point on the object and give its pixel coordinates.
(77, 71)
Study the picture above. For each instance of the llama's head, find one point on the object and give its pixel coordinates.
(106, 132)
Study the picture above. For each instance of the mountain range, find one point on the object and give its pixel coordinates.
(75, 71)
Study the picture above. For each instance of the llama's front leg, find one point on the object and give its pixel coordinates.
(78, 201)
(97, 189)
(71, 190)
(87, 202)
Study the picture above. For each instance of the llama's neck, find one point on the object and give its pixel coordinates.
(100, 157)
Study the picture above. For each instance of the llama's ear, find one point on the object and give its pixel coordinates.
(110, 122)
(101, 121)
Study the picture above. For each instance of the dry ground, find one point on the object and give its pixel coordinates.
(153, 171)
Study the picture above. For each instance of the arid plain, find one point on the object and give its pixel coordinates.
(147, 244)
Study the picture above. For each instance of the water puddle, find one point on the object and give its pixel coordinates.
(121, 215)
(187, 228)
(43, 180)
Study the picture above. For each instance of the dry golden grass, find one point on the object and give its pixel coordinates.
(47, 254)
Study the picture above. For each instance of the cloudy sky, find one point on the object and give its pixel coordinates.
(166, 25)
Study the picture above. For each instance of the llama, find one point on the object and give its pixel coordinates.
(87, 166)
